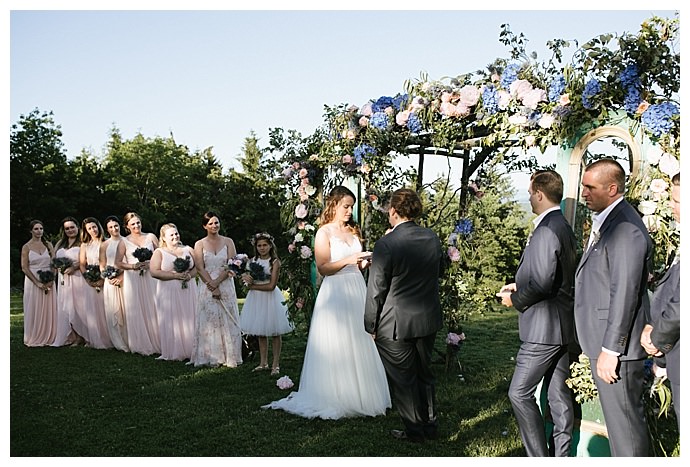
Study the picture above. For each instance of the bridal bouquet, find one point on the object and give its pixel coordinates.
(142, 254)
(110, 272)
(46, 277)
(182, 265)
(93, 274)
(238, 264)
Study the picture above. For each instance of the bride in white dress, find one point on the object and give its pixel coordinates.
(342, 374)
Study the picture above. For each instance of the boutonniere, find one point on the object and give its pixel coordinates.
(595, 237)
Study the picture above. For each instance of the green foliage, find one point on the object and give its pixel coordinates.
(484, 248)
(39, 179)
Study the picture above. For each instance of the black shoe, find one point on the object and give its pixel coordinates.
(403, 436)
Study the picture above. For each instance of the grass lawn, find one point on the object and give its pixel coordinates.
(76, 401)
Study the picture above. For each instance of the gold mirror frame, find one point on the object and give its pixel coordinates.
(575, 163)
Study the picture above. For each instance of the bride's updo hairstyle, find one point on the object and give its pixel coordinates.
(406, 203)
(334, 197)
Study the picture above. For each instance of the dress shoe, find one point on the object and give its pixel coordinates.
(403, 436)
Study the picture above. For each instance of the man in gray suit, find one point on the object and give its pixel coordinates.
(543, 294)
(661, 337)
(610, 294)
(403, 313)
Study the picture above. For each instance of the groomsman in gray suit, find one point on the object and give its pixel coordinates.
(661, 337)
(610, 300)
(403, 313)
(543, 293)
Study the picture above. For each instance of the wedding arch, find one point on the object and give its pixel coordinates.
(624, 86)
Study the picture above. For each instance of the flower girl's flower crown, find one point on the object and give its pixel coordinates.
(261, 236)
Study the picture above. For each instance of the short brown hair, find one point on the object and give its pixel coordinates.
(406, 203)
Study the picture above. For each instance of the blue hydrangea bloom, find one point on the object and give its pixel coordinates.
(657, 118)
(632, 99)
(413, 123)
(509, 75)
(400, 101)
(490, 100)
(464, 226)
(630, 76)
(379, 120)
(592, 88)
(381, 104)
(556, 87)
(362, 151)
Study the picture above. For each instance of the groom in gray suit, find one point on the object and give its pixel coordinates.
(610, 305)
(543, 293)
(403, 313)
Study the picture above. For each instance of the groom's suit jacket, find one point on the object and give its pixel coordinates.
(403, 291)
(545, 282)
(611, 286)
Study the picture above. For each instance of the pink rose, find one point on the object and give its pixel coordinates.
(564, 100)
(520, 88)
(503, 99)
(469, 95)
(454, 254)
(303, 173)
(299, 303)
(401, 117)
(363, 121)
(347, 159)
(644, 105)
(305, 252)
(533, 98)
(447, 109)
(366, 110)
(495, 77)
(461, 110)
(291, 247)
(445, 97)
(295, 165)
(301, 211)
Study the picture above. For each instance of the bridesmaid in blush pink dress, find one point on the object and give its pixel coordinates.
(70, 286)
(39, 297)
(176, 294)
(92, 296)
(112, 290)
(138, 288)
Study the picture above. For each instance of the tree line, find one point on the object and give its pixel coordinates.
(159, 179)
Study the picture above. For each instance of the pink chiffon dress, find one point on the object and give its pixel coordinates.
(69, 286)
(91, 303)
(138, 291)
(114, 303)
(176, 305)
(40, 308)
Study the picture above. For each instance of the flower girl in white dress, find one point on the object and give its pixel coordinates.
(264, 314)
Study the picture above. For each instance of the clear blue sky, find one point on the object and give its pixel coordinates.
(211, 77)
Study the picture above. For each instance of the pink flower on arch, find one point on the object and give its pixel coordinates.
(454, 254)
(469, 95)
(291, 247)
(301, 211)
(347, 159)
(402, 117)
(305, 252)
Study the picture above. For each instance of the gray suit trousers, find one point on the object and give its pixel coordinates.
(534, 362)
